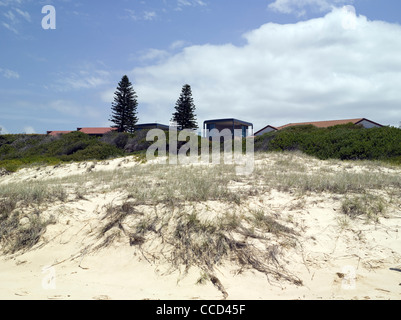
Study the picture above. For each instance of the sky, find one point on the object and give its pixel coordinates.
(269, 62)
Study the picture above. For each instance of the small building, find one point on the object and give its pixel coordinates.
(57, 133)
(266, 129)
(97, 132)
(366, 123)
(150, 126)
(231, 124)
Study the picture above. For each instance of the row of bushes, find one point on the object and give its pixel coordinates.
(22, 150)
(345, 142)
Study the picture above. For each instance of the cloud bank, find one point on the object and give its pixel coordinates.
(337, 66)
(300, 7)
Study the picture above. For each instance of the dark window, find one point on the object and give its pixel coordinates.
(211, 126)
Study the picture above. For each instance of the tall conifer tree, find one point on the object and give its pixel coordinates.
(185, 110)
(124, 107)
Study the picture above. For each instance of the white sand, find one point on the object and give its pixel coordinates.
(333, 263)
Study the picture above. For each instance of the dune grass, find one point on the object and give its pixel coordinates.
(186, 238)
(295, 171)
(21, 221)
(171, 208)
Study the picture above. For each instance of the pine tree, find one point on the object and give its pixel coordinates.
(124, 107)
(185, 110)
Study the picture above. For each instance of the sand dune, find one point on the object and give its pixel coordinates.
(309, 250)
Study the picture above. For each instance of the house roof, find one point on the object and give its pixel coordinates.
(230, 120)
(269, 126)
(151, 125)
(321, 124)
(96, 130)
(55, 133)
(326, 124)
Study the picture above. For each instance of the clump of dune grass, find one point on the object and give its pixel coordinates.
(21, 224)
(268, 224)
(114, 218)
(33, 193)
(186, 239)
(297, 172)
(20, 231)
(368, 206)
(170, 184)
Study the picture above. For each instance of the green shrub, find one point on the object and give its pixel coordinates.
(99, 151)
(10, 165)
(17, 151)
(6, 149)
(117, 139)
(345, 142)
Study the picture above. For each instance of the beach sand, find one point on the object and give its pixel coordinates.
(358, 259)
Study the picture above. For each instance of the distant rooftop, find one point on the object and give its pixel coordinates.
(326, 124)
(56, 133)
(96, 131)
(322, 124)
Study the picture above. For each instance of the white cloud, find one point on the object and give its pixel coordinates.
(9, 74)
(149, 15)
(299, 7)
(145, 15)
(154, 54)
(24, 14)
(132, 14)
(89, 82)
(12, 20)
(3, 130)
(158, 55)
(83, 79)
(10, 27)
(107, 95)
(10, 16)
(178, 44)
(68, 108)
(189, 3)
(29, 130)
(186, 3)
(319, 69)
(6, 3)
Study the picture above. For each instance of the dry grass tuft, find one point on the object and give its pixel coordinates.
(187, 239)
(19, 231)
(368, 206)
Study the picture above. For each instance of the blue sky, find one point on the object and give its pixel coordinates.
(266, 62)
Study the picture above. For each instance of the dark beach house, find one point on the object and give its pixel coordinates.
(149, 126)
(246, 128)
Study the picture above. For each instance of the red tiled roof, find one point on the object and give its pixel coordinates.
(326, 124)
(96, 130)
(55, 133)
(321, 124)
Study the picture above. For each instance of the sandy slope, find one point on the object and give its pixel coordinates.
(333, 262)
